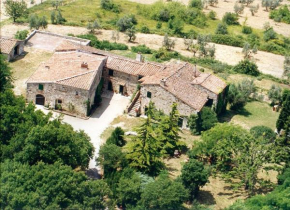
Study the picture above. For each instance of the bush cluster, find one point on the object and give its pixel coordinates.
(142, 49)
(103, 45)
(21, 35)
(281, 15)
(247, 67)
(227, 40)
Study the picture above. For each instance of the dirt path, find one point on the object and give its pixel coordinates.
(268, 63)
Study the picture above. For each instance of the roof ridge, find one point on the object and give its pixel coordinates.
(78, 75)
(176, 71)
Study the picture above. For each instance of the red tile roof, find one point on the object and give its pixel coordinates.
(7, 45)
(65, 68)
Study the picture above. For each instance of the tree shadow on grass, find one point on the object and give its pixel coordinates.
(206, 197)
(229, 114)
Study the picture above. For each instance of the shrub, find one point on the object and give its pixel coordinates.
(196, 4)
(145, 29)
(263, 131)
(176, 26)
(159, 25)
(117, 137)
(272, 47)
(230, 18)
(247, 30)
(212, 15)
(103, 45)
(269, 34)
(142, 49)
(164, 55)
(21, 35)
(247, 67)
(227, 40)
(221, 29)
(109, 5)
(126, 22)
(282, 13)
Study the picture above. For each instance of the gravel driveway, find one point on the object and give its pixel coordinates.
(112, 106)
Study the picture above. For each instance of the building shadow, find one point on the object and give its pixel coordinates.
(19, 57)
(99, 110)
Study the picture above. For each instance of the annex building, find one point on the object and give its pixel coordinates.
(72, 75)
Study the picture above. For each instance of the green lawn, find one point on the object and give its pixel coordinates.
(254, 113)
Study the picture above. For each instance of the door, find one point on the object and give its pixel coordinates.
(121, 89)
(16, 49)
(40, 100)
(110, 86)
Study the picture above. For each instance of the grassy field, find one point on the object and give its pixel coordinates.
(80, 12)
(254, 113)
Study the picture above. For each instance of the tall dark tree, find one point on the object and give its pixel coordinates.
(169, 131)
(5, 74)
(117, 137)
(194, 176)
(143, 152)
(285, 113)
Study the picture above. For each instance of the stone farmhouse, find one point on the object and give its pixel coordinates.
(74, 72)
(11, 48)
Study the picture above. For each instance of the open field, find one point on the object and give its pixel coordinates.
(254, 113)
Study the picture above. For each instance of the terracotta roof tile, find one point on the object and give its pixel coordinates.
(7, 45)
(66, 68)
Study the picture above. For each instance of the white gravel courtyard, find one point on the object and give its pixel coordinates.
(112, 106)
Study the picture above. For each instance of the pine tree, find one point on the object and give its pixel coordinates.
(169, 132)
(143, 151)
(285, 113)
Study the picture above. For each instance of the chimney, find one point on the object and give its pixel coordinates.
(195, 73)
(139, 57)
(163, 82)
(84, 65)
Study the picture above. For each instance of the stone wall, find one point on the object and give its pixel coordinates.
(163, 101)
(130, 82)
(11, 56)
(97, 80)
(210, 94)
(70, 96)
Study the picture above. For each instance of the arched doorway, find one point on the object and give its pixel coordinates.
(40, 99)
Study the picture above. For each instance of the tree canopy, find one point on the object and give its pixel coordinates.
(15, 9)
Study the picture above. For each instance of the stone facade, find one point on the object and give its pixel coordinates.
(163, 100)
(128, 81)
(72, 99)
(12, 48)
(70, 96)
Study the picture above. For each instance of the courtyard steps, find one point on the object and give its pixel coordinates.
(134, 108)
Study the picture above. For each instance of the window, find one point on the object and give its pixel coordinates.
(77, 93)
(140, 77)
(149, 94)
(59, 101)
(111, 72)
(40, 86)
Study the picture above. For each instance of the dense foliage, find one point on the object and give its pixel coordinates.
(239, 93)
(281, 15)
(44, 186)
(141, 49)
(15, 9)
(21, 35)
(103, 45)
(247, 67)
